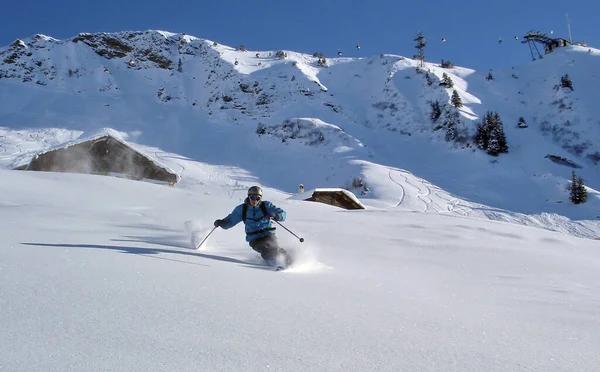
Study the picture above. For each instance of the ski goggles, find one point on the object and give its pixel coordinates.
(254, 197)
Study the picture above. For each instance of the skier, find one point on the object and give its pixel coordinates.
(260, 232)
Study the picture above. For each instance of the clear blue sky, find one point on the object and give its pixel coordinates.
(471, 27)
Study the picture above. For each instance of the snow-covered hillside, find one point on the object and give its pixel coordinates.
(97, 274)
(281, 118)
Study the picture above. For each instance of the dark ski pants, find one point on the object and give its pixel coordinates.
(269, 248)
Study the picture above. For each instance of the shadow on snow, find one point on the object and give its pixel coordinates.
(151, 252)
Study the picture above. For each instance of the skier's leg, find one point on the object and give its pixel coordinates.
(270, 251)
(262, 246)
(274, 252)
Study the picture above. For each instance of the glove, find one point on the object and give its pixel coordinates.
(275, 217)
(219, 223)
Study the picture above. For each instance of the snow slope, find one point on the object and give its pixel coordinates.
(96, 273)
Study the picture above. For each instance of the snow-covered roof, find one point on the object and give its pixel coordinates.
(115, 135)
(308, 194)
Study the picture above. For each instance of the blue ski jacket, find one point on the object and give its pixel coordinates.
(258, 224)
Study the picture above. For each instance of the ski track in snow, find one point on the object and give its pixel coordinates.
(401, 198)
(426, 193)
(406, 181)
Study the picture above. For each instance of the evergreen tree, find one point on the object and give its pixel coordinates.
(428, 78)
(566, 82)
(489, 76)
(574, 188)
(582, 190)
(447, 81)
(179, 66)
(521, 123)
(447, 64)
(497, 140)
(421, 43)
(456, 100)
(494, 142)
(490, 135)
(451, 119)
(322, 62)
(481, 136)
(436, 112)
(578, 193)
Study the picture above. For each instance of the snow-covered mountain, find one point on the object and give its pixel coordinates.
(282, 118)
(437, 274)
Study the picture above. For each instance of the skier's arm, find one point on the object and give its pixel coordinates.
(233, 218)
(273, 209)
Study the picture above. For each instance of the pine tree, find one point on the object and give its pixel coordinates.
(578, 193)
(574, 189)
(582, 190)
(447, 81)
(489, 76)
(446, 64)
(179, 66)
(490, 135)
(456, 100)
(522, 123)
(428, 78)
(497, 140)
(451, 118)
(566, 82)
(322, 60)
(501, 136)
(421, 43)
(436, 112)
(482, 136)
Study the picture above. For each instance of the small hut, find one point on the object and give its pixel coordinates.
(104, 154)
(337, 197)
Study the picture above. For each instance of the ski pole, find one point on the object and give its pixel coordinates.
(206, 237)
(290, 231)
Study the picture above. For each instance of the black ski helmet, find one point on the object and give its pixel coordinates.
(255, 190)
